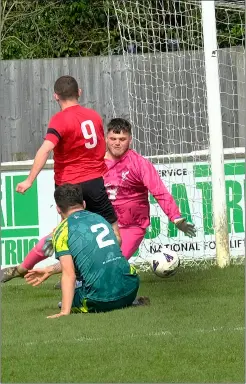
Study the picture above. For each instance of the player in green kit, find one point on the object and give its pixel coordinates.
(88, 251)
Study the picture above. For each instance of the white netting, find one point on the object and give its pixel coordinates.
(231, 40)
(162, 47)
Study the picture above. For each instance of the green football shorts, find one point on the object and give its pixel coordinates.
(85, 305)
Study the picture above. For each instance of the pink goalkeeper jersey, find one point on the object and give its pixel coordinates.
(128, 181)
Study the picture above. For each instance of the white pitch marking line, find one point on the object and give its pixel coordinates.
(129, 336)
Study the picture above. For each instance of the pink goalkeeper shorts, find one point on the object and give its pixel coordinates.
(131, 239)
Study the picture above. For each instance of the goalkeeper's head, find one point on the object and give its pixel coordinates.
(69, 199)
(119, 137)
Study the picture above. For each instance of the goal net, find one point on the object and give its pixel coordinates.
(161, 43)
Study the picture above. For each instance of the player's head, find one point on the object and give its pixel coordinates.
(66, 88)
(119, 136)
(69, 198)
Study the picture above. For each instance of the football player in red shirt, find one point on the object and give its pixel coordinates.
(76, 136)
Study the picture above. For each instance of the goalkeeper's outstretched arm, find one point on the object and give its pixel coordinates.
(156, 187)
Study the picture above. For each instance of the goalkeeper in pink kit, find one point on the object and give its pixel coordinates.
(129, 179)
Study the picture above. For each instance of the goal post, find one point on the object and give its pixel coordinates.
(186, 98)
(215, 132)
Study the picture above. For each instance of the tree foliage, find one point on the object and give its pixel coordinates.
(53, 28)
(61, 28)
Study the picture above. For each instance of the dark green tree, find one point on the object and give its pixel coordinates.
(53, 28)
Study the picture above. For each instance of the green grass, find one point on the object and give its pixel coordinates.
(193, 331)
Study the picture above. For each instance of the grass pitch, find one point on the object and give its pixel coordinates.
(193, 331)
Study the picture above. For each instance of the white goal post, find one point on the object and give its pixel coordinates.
(215, 132)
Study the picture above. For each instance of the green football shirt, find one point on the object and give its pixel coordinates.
(105, 273)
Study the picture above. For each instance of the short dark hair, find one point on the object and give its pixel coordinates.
(118, 125)
(66, 87)
(68, 196)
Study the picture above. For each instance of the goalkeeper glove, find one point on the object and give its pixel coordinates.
(188, 228)
(48, 247)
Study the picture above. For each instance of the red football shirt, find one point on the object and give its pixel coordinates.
(78, 135)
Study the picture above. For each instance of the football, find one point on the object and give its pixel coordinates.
(165, 263)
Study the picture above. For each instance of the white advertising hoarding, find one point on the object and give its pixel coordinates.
(191, 186)
(25, 218)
